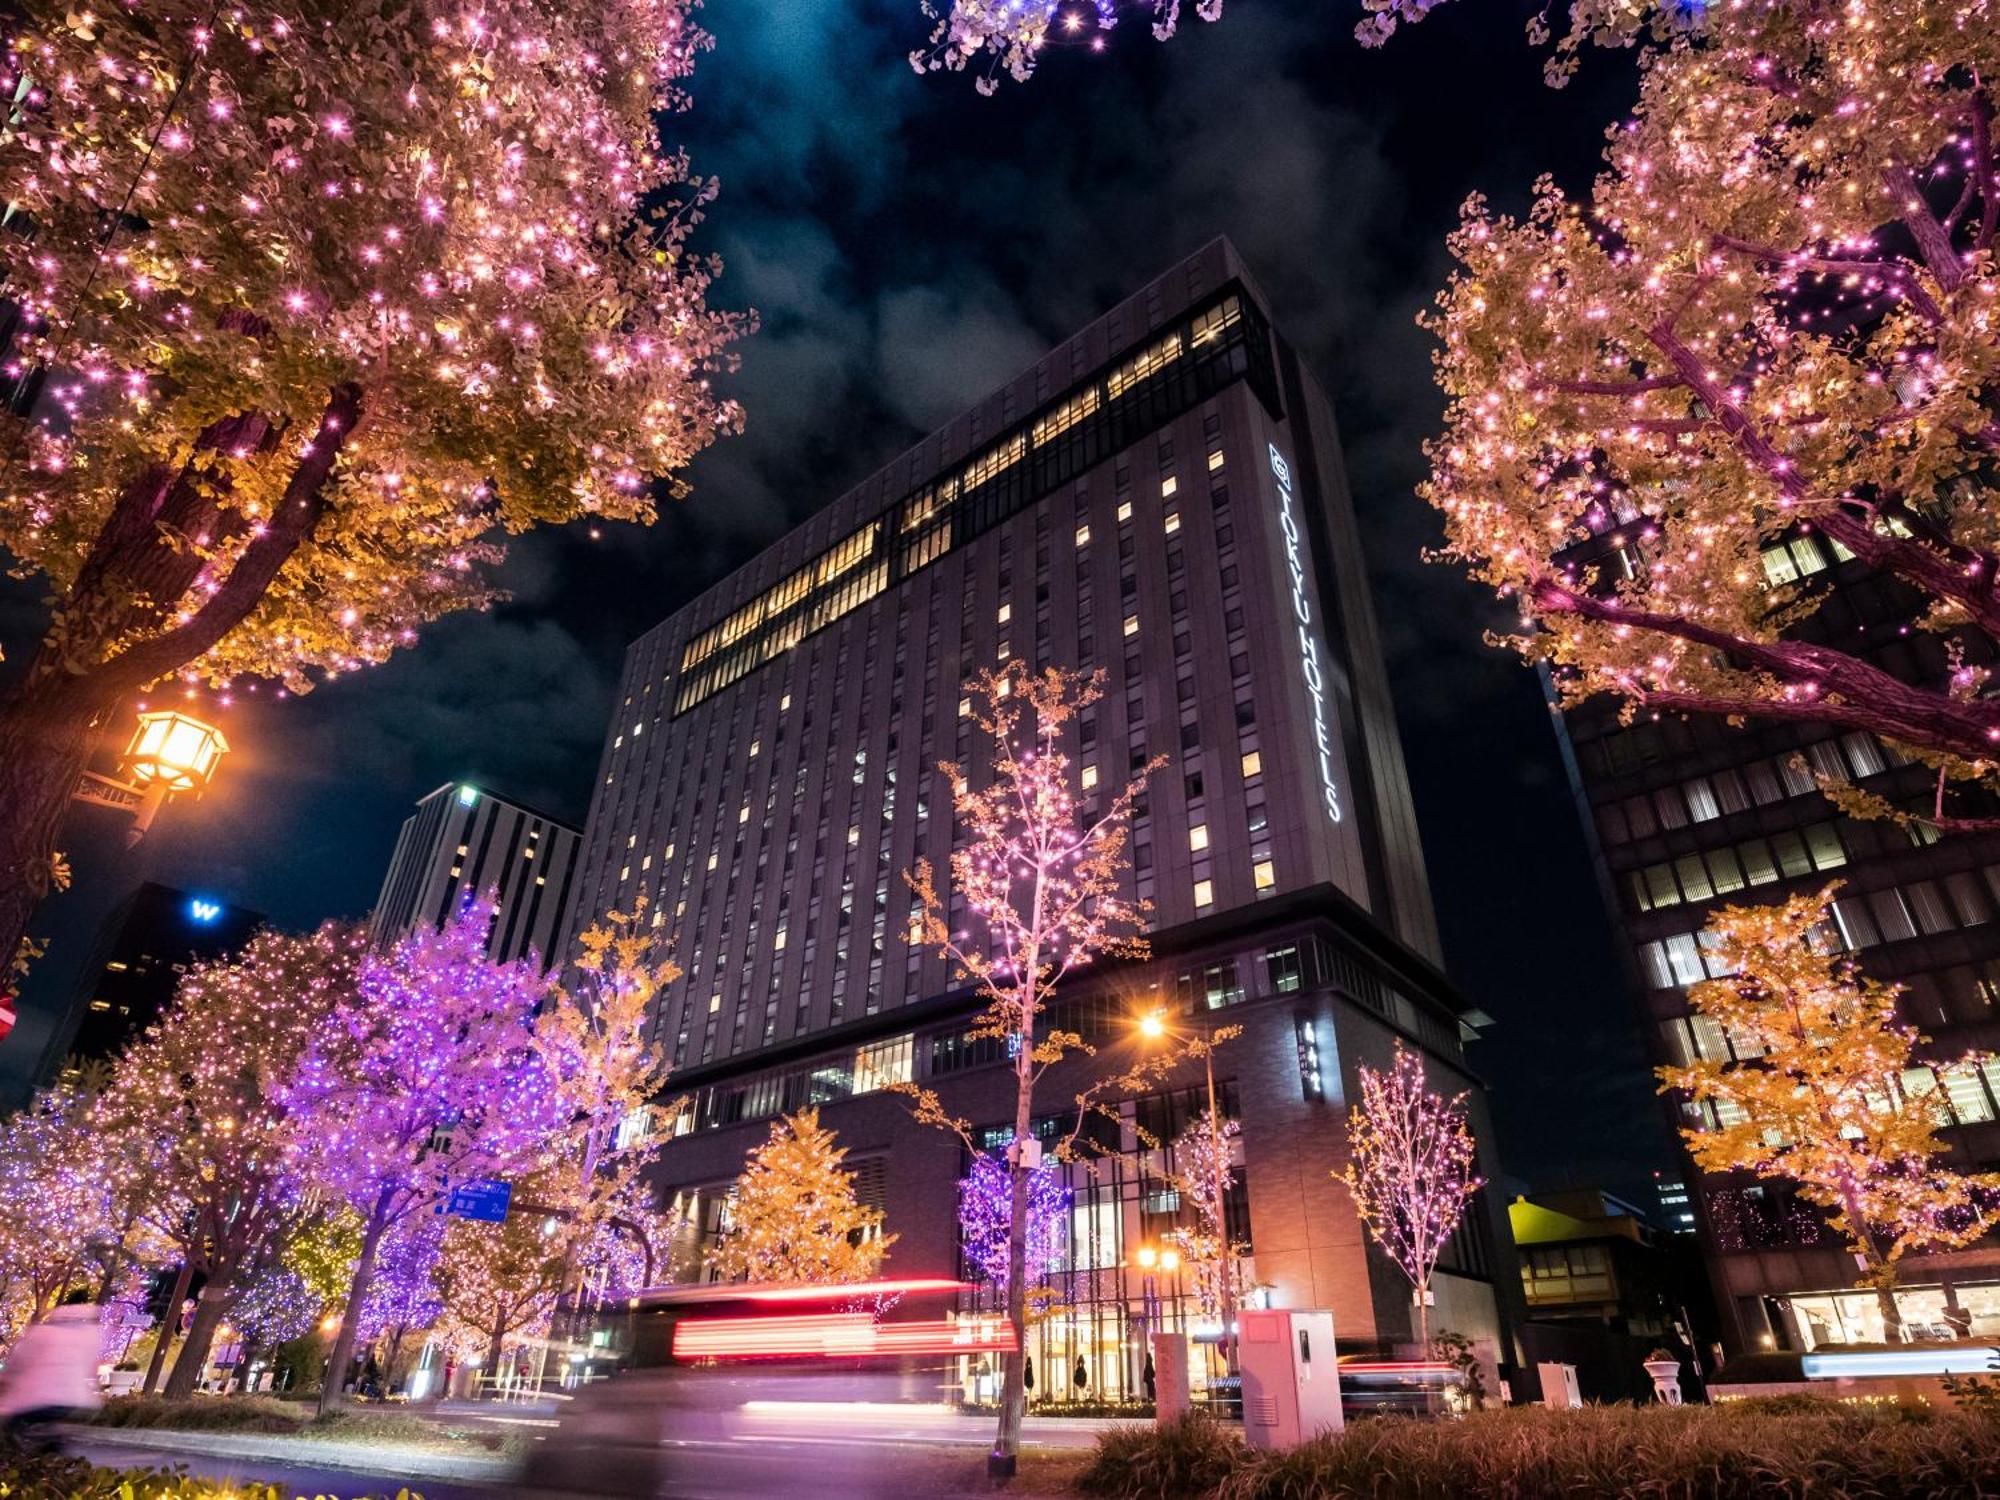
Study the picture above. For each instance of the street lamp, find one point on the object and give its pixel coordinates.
(169, 752)
(1153, 1026)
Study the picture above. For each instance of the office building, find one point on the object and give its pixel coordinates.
(1161, 498)
(1690, 814)
(464, 841)
(143, 948)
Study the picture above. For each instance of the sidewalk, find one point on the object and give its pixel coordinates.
(371, 1460)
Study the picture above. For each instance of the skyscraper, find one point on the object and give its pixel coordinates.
(142, 950)
(1690, 814)
(1160, 498)
(464, 841)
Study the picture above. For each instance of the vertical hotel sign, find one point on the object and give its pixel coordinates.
(1312, 658)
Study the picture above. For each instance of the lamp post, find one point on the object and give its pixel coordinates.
(1153, 1025)
(169, 752)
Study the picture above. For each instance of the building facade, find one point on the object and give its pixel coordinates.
(142, 950)
(463, 841)
(1162, 499)
(1691, 814)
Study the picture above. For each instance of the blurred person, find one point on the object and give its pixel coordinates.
(51, 1372)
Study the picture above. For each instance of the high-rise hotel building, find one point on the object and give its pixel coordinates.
(1692, 814)
(1161, 498)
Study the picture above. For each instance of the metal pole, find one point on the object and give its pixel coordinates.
(1225, 1268)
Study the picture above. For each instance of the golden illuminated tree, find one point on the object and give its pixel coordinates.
(499, 1282)
(794, 1217)
(1820, 1095)
(1770, 326)
(321, 299)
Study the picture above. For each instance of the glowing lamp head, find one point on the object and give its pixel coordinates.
(1148, 1257)
(170, 748)
(1170, 1260)
(1152, 1025)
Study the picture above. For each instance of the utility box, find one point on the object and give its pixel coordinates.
(1291, 1376)
(1559, 1389)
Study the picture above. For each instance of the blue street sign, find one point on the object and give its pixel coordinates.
(481, 1199)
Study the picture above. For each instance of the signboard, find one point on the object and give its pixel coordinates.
(1309, 647)
(481, 1199)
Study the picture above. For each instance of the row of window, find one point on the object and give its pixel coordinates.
(1971, 1095)
(1964, 898)
(1170, 374)
(1734, 789)
(1754, 862)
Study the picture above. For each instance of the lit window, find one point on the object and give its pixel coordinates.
(646, 863)
(1204, 893)
(853, 835)
(1197, 836)
(1253, 764)
(625, 872)
(1089, 777)
(713, 858)
(456, 871)
(1083, 536)
(1173, 522)
(743, 813)
(755, 746)
(778, 941)
(714, 1003)
(1131, 624)
(631, 840)
(541, 880)
(1266, 873)
(1168, 486)
(1215, 461)
(527, 854)
(1125, 510)
(784, 703)
(1006, 613)
(461, 849)
(964, 708)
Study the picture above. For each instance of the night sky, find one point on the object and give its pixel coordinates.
(909, 246)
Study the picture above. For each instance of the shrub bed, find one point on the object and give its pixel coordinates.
(1660, 1453)
(54, 1477)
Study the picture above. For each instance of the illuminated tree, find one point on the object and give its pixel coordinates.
(1822, 1096)
(208, 1087)
(403, 1294)
(431, 1079)
(1410, 1171)
(595, 1033)
(499, 1282)
(1203, 1172)
(326, 298)
(793, 1216)
(1771, 326)
(986, 1215)
(1040, 876)
(59, 1199)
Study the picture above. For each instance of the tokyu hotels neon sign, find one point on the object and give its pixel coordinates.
(1309, 652)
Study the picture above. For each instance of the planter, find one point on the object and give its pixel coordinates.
(1666, 1375)
(122, 1382)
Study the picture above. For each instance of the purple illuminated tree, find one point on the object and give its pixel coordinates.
(1040, 874)
(206, 1092)
(986, 1216)
(403, 1294)
(431, 1079)
(1411, 1171)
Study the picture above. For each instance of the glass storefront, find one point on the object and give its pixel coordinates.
(1855, 1317)
(1121, 1278)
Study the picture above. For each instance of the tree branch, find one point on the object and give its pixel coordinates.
(297, 516)
(1906, 284)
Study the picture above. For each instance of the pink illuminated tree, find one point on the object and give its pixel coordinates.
(1410, 1172)
(431, 1079)
(1040, 875)
(204, 1095)
(321, 300)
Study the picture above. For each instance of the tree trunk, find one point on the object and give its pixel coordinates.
(208, 1311)
(167, 1323)
(49, 722)
(493, 1346)
(1003, 1460)
(46, 737)
(1892, 1317)
(331, 1394)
